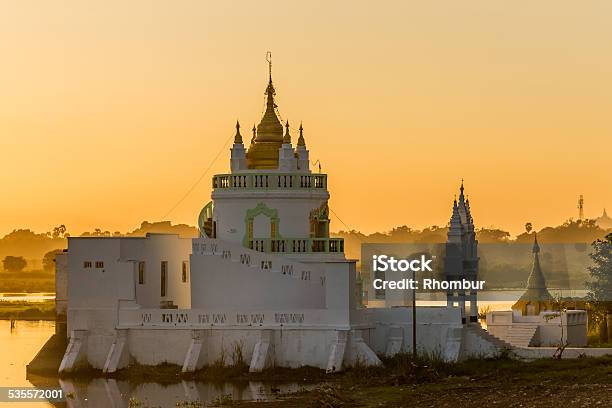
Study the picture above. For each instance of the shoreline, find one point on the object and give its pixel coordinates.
(404, 381)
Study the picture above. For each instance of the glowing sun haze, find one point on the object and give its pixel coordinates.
(110, 110)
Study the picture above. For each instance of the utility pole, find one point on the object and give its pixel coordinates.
(414, 341)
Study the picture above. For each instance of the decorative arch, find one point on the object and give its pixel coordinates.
(251, 213)
(319, 221)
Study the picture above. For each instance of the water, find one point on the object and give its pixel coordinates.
(20, 344)
(26, 297)
(17, 348)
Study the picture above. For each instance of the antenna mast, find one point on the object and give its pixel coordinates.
(581, 208)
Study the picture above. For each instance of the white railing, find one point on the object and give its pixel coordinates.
(269, 181)
(259, 260)
(198, 318)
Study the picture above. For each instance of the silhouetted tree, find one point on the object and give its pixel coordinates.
(600, 286)
(48, 261)
(14, 263)
(528, 227)
(492, 235)
(59, 231)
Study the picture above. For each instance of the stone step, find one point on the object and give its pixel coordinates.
(521, 335)
(497, 342)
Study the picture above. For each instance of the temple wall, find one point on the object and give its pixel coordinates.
(292, 207)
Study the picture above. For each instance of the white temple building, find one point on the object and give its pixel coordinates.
(264, 276)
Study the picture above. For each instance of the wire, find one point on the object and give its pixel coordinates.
(348, 229)
(194, 185)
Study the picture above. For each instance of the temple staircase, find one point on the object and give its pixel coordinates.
(498, 343)
(521, 335)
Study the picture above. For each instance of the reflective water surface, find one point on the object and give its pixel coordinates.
(19, 344)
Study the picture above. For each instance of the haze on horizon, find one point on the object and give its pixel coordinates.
(110, 110)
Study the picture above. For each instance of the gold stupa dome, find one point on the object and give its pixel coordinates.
(263, 152)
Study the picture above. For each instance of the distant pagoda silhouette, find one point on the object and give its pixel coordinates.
(536, 297)
(461, 259)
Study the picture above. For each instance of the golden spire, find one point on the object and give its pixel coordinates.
(270, 128)
(238, 137)
(301, 141)
(263, 152)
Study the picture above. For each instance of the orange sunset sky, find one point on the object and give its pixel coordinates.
(111, 110)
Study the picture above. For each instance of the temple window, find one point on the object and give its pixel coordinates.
(141, 273)
(184, 274)
(164, 278)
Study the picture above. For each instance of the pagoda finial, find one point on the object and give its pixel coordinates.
(269, 59)
(270, 89)
(301, 141)
(536, 247)
(461, 197)
(238, 137)
(287, 137)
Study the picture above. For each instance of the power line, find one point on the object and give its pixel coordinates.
(343, 223)
(194, 185)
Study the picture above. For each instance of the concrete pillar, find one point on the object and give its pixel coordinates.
(118, 354)
(454, 340)
(473, 307)
(195, 357)
(263, 353)
(75, 352)
(359, 353)
(395, 341)
(336, 352)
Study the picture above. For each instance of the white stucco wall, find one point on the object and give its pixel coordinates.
(152, 250)
(61, 283)
(94, 293)
(293, 206)
(226, 275)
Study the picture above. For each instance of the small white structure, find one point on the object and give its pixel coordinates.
(548, 329)
(532, 321)
(264, 279)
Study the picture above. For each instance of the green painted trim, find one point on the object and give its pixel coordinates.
(251, 213)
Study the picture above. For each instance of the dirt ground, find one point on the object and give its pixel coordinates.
(585, 382)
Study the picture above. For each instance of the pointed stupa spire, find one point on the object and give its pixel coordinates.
(455, 228)
(604, 213)
(536, 247)
(263, 152)
(536, 297)
(301, 141)
(287, 137)
(461, 197)
(254, 133)
(455, 220)
(238, 137)
(536, 284)
(270, 128)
